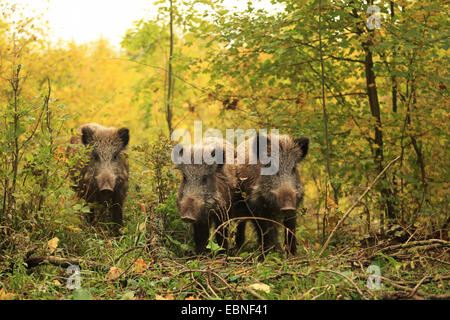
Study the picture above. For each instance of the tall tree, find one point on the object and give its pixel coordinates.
(279, 63)
(170, 81)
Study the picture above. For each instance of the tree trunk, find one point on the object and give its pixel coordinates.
(324, 109)
(374, 105)
(393, 77)
(169, 106)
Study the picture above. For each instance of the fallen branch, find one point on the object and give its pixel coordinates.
(346, 278)
(254, 293)
(413, 291)
(416, 244)
(355, 204)
(438, 260)
(63, 262)
(287, 273)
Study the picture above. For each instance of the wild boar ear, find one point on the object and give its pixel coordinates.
(124, 135)
(303, 144)
(179, 156)
(261, 143)
(219, 161)
(87, 135)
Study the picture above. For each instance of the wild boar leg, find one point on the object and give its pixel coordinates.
(116, 213)
(267, 235)
(240, 234)
(201, 235)
(290, 240)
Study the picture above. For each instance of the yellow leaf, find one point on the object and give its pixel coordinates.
(239, 271)
(142, 226)
(140, 265)
(74, 229)
(260, 286)
(52, 244)
(6, 296)
(168, 297)
(190, 298)
(331, 204)
(56, 283)
(114, 273)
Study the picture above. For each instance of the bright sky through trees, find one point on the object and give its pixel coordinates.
(88, 20)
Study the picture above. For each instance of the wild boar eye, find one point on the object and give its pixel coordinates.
(266, 165)
(204, 179)
(294, 170)
(184, 178)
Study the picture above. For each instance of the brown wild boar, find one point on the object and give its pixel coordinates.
(204, 195)
(272, 196)
(103, 181)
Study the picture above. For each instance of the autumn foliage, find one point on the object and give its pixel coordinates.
(310, 68)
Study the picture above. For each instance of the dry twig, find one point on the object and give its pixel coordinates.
(355, 204)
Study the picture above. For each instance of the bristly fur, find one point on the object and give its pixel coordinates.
(205, 192)
(265, 195)
(107, 170)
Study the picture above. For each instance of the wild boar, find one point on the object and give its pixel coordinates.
(205, 192)
(103, 180)
(274, 197)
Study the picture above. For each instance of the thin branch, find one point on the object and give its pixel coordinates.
(355, 204)
(324, 108)
(63, 262)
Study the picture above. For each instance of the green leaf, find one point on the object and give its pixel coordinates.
(128, 295)
(214, 247)
(86, 209)
(394, 262)
(81, 294)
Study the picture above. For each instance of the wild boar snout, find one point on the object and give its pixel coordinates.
(190, 208)
(286, 199)
(106, 180)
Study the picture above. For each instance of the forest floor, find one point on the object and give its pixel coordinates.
(132, 267)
